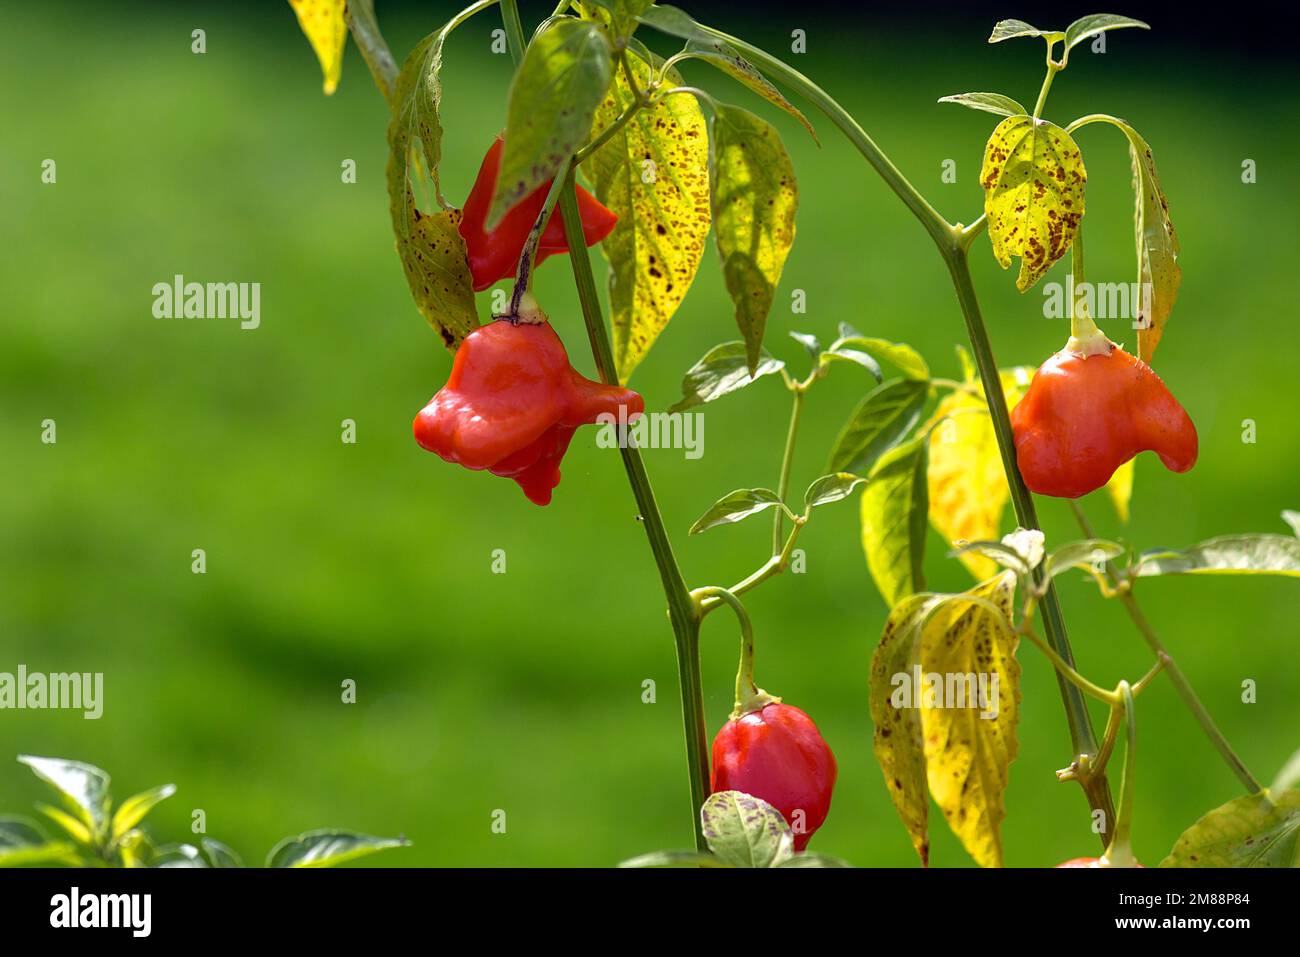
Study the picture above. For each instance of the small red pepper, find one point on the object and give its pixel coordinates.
(1088, 862)
(512, 403)
(494, 255)
(1089, 409)
(776, 753)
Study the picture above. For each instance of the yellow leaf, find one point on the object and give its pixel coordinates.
(941, 724)
(893, 521)
(968, 488)
(323, 24)
(1157, 247)
(967, 755)
(1120, 489)
(1033, 179)
(654, 174)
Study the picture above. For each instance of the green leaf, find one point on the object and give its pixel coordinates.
(844, 354)
(894, 506)
(736, 507)
(654, 175)
(1095, 23)
(18, 832)
(23, 845)
(75, 827)
(1251, 831)
(988, 102)
(722, 55)
(1227, 555)
(673, 859)
(830, 488)
(809, 342)
(1288, 777)
(675, 22)
(132, 811)
(83, 788)
(429, 245)
(723, 370)
(219, 855)
(1009, 29)
(1021, 551)
(1033, 178)
(623, 14)
(1089, 551)
(178, 855)
(902, 356)
(553, 98)
(879, 422)
(813, 860)
(1292, 519)
(327, 848)
(754, 196)
(745, 831)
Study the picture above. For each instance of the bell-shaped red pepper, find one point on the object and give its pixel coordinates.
(494, 255)
(776, 753)
(512, 404)
(1089, 409)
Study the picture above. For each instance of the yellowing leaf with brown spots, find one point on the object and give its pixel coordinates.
(1159, 274)
(968, 755)
(968, 488)
(654, 173)
(1033, 179)
(897, 740)
(323, 25)
(754, 197)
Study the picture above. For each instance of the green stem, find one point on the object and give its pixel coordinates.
(514, 30)
(787, 460)
(1052, 70)
(608, 132)
(524, 271)
(749, 696)
(1119, 853)
(1180, 682)
(374, 49)
(682, 609)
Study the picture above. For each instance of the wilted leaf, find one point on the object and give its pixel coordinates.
(988, 102)
(1227, 555)
(1157, 247)
(754, 195)
(880, 421)
(654, 174)
(323, 24)
(553, 98)
(745, 831)
(893, 521)
(1252, 831)
(1033, 179)
(736, 507)
(721, 371)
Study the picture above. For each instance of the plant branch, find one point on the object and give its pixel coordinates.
(682, 610)
(1180, 682)
(514, 30)
(374, 50)
(787, 460)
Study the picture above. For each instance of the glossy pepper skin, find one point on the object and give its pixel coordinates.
(777, 754)
(1086, 415)
(1085, 862)
(512, 403)
(494, 255)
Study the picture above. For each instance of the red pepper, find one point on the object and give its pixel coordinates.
(1085, 415)
(776, 753)
(1086, 862)
(494, 255)
(512, 403)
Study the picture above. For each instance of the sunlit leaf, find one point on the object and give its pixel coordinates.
(326, 848)
(1227, 555)
(899, 354)
(1292, 519)
(880, 421)
(654, 174)
(809, 342)
(132, 811)
(1095, 23)
(831, 488)
(553, 98)
(1092, 551)
(1157, 248)
(720, 54)
(736, 507)
(1008, 29)
(84, 788)
(1033, 179)
(745, 831)
(721, 371)
(323, 24)
(988, 102)
(1120, 489)
(219, 855)
(754, 196)
(893, 521)
(1259, 830)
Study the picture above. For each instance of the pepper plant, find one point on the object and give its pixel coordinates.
(667, 163)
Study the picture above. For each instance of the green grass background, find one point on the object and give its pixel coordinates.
(371, 561)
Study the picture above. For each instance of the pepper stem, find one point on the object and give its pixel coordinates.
(1119, 853)
(1085, 338)
(749, 696)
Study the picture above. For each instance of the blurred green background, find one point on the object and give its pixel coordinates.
(372, 561)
